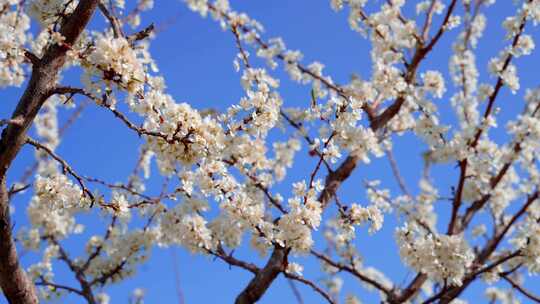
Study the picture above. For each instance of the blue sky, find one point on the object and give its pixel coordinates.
(195, 56)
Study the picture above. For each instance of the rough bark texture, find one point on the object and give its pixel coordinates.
(13, 280)
(15, 285)
(264, 278)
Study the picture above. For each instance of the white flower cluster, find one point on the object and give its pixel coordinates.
(528, 241)
(434, 83)
(358, 140)
(188, 137)
(462, 67)
(181, 137)
(46, 124)
(58, 192)
(54, 205)
(294, 268)
(48, 12)
(111, 64)
(508, 74)
(13, 36)
(128, 249)
(284, 154)
(103, 298)
(232, 160)
(485, 164)
(305, 214)
(184, 225)
(262, 103)
(360, 215)
(423, 6)
(44, 268)
(443, 258)
(227, 230)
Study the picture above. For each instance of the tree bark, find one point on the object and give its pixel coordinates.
(264, 278)
(14, 283)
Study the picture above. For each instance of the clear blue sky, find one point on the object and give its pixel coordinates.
(195, 56)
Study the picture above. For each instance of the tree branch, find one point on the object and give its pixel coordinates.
(66, 168)
(309, 283)
(264, 277)
(16, 286)
(521, 289)
(388, 292)
(44, 282)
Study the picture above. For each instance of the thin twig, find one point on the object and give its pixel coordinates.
(521, 289)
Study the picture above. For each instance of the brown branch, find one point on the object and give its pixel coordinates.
(229, 259)
(119, 186)
(495, 180)
(295, 291)
(521, 289)
(11, 122)
(12, 190)
(66, 168)
(86, 288)
(264, 277)
(448, 294)
(493, 265)
(16, 287)
(411, 290)
(456, 204)
(35, 60)
(142, 34)
(176, 270)
(309, 140)
(335, 178)
(113, 20)
(99, 248)
(170, 139)
(496, 240)
(44, 282)
(428, 21)
(110, 273)
(29, 172)
(309, 283)
(342, 267)
(397, 175)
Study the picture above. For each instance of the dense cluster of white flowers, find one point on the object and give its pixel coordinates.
(53, 207)
(14, 26)
(434, 83)
(443, 258)
(305, 214)
(48, 12)
(528, 240)
(226, 167)
(114, 63)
